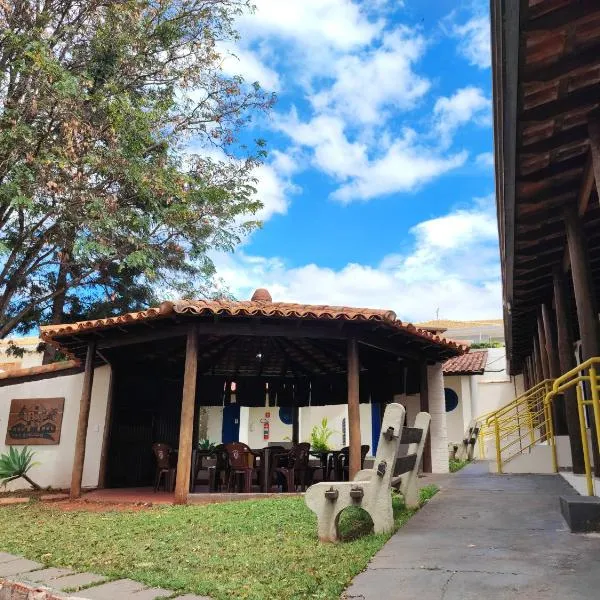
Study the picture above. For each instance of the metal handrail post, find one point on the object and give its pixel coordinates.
(498, 452)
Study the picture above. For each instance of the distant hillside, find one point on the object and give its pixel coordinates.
(447, 324)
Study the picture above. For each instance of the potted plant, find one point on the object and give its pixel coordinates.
(319, 437)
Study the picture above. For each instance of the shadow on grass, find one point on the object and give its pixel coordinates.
(355, 522)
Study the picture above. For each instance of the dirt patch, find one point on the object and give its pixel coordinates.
(29, 493)
(98, 507)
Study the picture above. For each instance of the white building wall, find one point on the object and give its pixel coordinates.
(56, 461)
(311, 416)
(455, 418)
(214, 429)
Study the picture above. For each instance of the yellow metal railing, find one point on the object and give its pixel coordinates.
(519, 425)
(584, 378)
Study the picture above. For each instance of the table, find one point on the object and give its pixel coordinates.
(325, 457)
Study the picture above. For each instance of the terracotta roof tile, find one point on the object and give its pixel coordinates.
(40, 370)
(472, 363)
(261, 306)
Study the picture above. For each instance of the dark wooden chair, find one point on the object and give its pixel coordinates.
(241, 465)
(295, 469)
(343, 466)
(218, 474)
(165, 471)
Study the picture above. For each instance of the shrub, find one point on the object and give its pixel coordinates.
(16, 465)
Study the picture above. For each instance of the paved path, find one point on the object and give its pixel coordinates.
(17, 569)
(486, 537)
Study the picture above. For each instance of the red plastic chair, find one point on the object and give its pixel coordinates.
(241, 465)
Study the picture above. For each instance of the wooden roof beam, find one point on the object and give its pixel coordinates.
(569, 167)
(591, 174)
(585, 97)
(574, 135)
(561, 18)
(569, 65)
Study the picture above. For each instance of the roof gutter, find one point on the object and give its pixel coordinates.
(505, 27)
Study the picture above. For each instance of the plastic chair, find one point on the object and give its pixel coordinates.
(164, 471)
(296, 470)
(241, 463)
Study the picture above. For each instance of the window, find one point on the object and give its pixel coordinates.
(451, 399)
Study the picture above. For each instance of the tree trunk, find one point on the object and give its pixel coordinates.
(58, 304)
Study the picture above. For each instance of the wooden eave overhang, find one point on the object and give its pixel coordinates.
(305, 335)
(546, 87)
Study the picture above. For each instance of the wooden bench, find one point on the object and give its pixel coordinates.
(371, 488)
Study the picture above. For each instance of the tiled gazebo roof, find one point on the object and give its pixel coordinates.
(472, 363)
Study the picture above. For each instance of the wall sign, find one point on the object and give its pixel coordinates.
(35, 421)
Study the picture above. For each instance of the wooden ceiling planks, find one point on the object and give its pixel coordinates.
(558, 82)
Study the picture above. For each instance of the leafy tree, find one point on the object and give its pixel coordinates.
(100, 197)
(15, 465)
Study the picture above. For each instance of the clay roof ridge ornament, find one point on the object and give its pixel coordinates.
(262, 296)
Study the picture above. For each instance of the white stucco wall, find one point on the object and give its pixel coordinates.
(455, 419)
(56, 462)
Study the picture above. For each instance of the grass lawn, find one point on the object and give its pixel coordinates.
(259, 549)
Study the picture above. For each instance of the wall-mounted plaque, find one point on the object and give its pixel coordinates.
(35, 421)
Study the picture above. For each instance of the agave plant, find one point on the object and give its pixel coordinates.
(16, 465)
(319, 437)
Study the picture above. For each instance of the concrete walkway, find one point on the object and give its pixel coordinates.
(486, 537)
(56, 583)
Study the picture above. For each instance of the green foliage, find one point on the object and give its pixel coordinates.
(478, 345)
(457, 465)
(319, 437)
(16, 464)
(427, 492)
(206, 445)
(101, 203)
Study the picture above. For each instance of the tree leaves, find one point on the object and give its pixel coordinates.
(98, 102)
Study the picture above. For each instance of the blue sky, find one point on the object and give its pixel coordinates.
(378, 189)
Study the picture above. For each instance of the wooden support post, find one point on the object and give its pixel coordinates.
(585, 300)
(424, 406)
(295, 424)
(82, 423)
(537, 364)
(353, 407)
(566, 360)
(526, 378)
(543, 348)
(186, 427)
(594, 132)
(558, 406)
(102, 477)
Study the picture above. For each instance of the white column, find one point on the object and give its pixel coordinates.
(438, 429)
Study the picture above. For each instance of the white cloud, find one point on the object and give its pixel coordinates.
(453, 266)
(399, 165)
(338, 24)
(468, 104)
(474, 40)
(248, 64)
(485, 160)
(367, 83)
(274, 188)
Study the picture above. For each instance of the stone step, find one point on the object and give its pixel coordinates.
(18, 566)
(123, 589)
(76, 581)
(47, 576)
